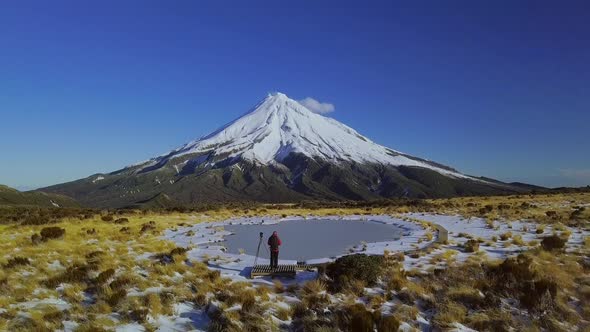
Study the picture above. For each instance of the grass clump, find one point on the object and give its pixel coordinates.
(107, 218)
(553, 242)
(356, 318)
(471, 246)
(505, 236)
(449, 313)
(16, 261)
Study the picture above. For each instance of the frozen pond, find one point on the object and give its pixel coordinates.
(309, 239)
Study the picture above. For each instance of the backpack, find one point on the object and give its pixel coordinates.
(274, 242)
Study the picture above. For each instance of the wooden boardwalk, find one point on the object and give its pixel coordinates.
(289, 271)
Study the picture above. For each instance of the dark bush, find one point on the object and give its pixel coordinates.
(220, 322)
(75, 273)
(388, 324)
(49, 233)
(553, 242)
(107, 218)
(139, 314)
(16, 261)
(54, 316)
(104, 276)
(513, 270)
(357, 318)
(116, 297)
(486, 209)
(167, 258)
(150, 226)
(94, 254)
(539, 295)
(354, 267)
(471, 246)
(121, 221)
(119, 283)
(178, 251)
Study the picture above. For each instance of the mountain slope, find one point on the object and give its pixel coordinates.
(279, 151)
(13, 197)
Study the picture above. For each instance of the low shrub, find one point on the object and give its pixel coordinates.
(121, 221)
(356, 318)
(388, 324)
(107, 218)
(553, 242)
(48, 233)
(354, 267)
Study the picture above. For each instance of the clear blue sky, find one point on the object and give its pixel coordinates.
(493, 88)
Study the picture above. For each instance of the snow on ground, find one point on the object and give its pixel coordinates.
(493, 246)
(58, 304)
(202, 238)
(185, 317)
(132, 327)
(98, 178)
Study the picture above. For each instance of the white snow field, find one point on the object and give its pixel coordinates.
(279, 125)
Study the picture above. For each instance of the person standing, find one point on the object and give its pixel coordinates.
(274, 242)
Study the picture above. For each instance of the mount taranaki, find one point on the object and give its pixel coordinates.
(277, 152)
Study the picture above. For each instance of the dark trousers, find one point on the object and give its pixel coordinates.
(274, 258)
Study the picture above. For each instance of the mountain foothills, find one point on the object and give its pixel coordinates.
(279, 151)
(13, 197)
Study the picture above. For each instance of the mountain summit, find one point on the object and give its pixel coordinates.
(278, 127)
(279, 151)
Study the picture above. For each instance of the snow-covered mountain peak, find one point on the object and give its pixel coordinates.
(279, 126)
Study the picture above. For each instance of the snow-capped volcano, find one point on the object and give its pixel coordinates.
(279, 151)
(279, 126)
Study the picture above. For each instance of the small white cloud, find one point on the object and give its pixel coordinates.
(317, 107)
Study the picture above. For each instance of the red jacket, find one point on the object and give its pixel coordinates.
(274, 244)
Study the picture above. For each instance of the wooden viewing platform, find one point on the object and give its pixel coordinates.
(289, 271)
